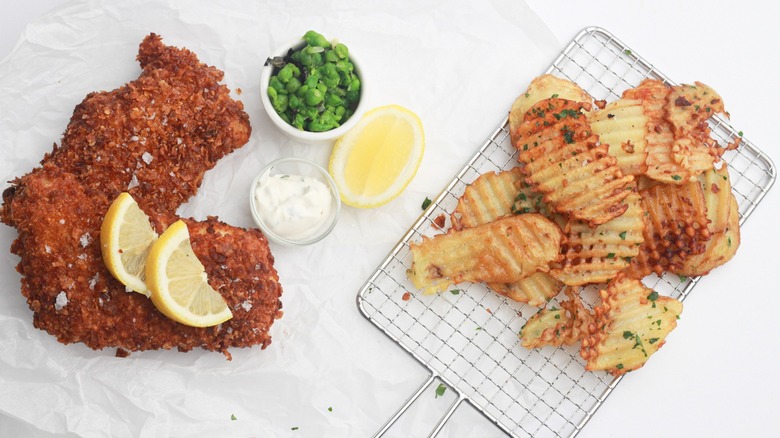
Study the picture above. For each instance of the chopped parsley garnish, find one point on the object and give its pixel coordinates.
(739, 133)
(233, 417)
(426, 203)
(682, 278)
(521, 197)
(440, 390)
(568, 135)
(652, 340)
(637, 341)
(555, 96)
(652, 297)
(627, 52)
(574, 114)
(611, 255)
(294, 428)
(619, 366)
(330, 409)
(455, 291)
(622, 235)
(676, 177)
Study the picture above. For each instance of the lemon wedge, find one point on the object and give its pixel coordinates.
(126, 236)
(375, 161)
(178, 281)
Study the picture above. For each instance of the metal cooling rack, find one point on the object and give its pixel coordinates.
(469, 340)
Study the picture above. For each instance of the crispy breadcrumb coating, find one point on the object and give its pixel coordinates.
(154, 137)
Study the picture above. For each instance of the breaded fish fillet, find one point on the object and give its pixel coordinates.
(156, 137)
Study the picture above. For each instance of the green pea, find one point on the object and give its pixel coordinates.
(331, 82)
(314, 96)
(285, 73)
(281, 103)
(315, 39)
(298, 121)
(322, 87)
(342, 66)
(340, 111)
(272, 94)
(353, 96)
(354, 85)
(293, 85)
(312, 81)
(302, 91)
(295, 102)
(306, 58)
(331, 56)
(341, 51)
(333, 99)
(276, 84)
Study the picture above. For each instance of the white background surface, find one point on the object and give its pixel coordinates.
(715, 377)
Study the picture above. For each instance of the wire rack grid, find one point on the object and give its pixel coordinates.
(467, 337)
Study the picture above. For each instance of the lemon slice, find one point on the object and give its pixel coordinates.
(375, 161)
(125, 239)
(178, 281)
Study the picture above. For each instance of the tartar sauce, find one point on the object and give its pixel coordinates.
(292, 206)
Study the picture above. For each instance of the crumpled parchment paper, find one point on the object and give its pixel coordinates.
(329, 372)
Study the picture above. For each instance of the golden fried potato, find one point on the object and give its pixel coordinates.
(555, 327)
(596, 255)
(535, 290)
(543, 87)
(564, 160)
(720, 248)
(631, 324)
(679, 146)
(491, 196)
(675, 228)
(716, 185)
(688, 107)
(503, 251)
(622, 125)
(488, 198)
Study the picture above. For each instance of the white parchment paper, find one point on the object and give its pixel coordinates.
(328, 372)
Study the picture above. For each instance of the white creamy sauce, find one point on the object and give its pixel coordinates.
(292, 206)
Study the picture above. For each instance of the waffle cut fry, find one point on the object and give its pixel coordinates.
(622, 125)
(630, 325)
(503, 251)
(552, 326)
(679, 146)
(564, 160)
(543, 87)
(488, 198)
(675, 228)
(494, 195)
(723, 214)
(596, 255)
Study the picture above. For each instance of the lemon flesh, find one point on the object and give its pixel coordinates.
(179, 284)
(375, 161)
(126, 236)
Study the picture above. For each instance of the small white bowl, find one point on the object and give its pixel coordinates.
(298, 134)
(302, 167)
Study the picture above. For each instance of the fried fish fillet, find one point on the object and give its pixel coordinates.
(155, 136)
(503, 251)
